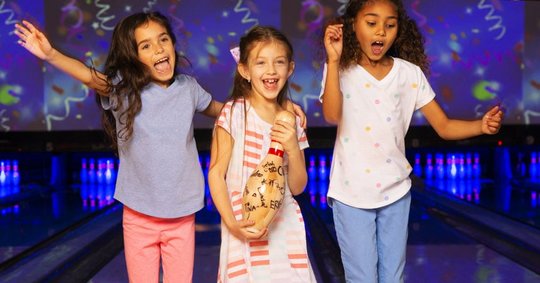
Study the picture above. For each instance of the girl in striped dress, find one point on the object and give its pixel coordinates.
(242, 135)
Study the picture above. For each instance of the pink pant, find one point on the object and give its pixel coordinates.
(147, 239)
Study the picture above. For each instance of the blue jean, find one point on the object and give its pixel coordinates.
(373, 242)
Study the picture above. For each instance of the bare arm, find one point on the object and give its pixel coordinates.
(37, 43)
(297, 175)
(452, 129)
(213, 109)
(285, 133)
(221, 150)
(332, 98)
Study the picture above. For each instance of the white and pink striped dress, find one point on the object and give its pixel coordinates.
(282, 257)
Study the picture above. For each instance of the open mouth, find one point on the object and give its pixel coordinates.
(270, 83)
(377, 47)
(162, 65)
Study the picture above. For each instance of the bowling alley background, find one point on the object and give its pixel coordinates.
(483, 53)
(475, 210)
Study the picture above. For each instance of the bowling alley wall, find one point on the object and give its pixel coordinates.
(482, 52)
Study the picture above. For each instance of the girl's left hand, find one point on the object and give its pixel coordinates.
(33, 40)
(492, 121)
(285, 134)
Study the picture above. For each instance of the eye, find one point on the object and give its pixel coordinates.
(165, 39)
(145, 46)
(281, 62)
(371, 24)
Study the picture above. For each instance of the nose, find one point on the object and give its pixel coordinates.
(381, 31)
(159, 49)
(271, 69)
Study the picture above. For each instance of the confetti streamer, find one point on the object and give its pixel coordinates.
(104, 19)
(490, 17)
(50, 117)
(247, 14)
(10, 20)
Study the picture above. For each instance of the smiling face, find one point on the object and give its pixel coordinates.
(376, 28)
(267, 68)
(155, 49)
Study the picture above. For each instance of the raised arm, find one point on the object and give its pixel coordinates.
(220, 155)
(332, 100)
(452, 129)
(37, 43)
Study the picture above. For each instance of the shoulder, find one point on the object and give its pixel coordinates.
(354, 70)
(185, 79)
(235, 104)
(405, 65)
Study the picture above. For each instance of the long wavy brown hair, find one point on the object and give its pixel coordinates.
(409, 43)
(127, 76)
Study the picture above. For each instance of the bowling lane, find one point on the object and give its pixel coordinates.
(40, 213)
(516, 199)
(436, 250)
(46, 199)
(505, 180)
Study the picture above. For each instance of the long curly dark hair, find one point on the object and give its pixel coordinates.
(258, 34)
(127, 76)
(409, 43)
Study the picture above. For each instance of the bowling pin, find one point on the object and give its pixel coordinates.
(265, 188)
(533, 166)
(312, 168)
(16, 177)
(323, 172)
(417, 168)
(83, 174)
(3, 173)
(429, 166)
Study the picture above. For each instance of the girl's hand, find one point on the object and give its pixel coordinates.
(33, 40)
(238, 229)
(285, 133)
(492, 121)
(333, 42)
(300, 113)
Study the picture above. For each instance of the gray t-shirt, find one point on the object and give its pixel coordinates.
(159, 172)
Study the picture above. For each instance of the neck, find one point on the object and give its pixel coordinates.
(367, 62)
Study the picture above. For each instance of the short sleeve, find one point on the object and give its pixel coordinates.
(301, 134)
(224, 118)
(425, 92)
(108, 102)
(203, 98)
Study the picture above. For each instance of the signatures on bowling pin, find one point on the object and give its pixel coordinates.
(264, 190)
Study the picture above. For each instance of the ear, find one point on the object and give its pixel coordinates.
(242, 70)
(291, 69)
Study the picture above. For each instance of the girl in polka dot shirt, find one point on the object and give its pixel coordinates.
(373, 82)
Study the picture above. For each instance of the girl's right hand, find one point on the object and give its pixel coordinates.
(333, 42)
(238, 229)
(33, 40)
